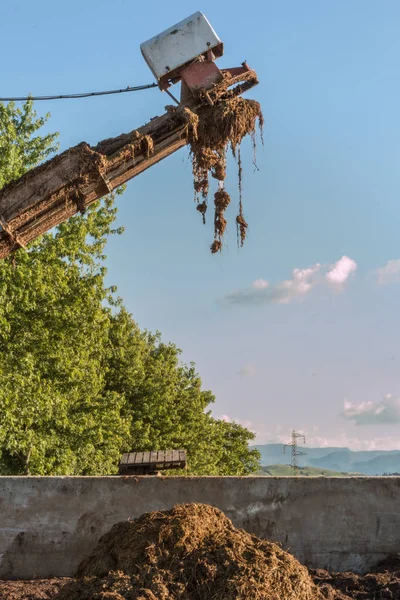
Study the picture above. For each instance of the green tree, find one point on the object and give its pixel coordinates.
(20, 149)
(167, 407)
(79, 382)
(55, 414)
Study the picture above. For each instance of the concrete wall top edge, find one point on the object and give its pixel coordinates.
(195, 478)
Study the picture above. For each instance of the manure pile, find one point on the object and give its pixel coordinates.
(215, 130)
(192, 552)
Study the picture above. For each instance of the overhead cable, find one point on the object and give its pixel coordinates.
(137, 88)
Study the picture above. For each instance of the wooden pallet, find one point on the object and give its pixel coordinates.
(149, 463)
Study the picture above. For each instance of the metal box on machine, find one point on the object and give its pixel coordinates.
(175, 48)
(186, 52)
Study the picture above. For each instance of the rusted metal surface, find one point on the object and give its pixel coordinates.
(201, 75)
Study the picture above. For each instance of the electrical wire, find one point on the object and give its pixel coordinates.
(138, 88)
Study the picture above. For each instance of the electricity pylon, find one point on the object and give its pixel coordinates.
(295, 450)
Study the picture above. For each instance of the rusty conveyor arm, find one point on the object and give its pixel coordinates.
(68, 183)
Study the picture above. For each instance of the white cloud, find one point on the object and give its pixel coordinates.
(243, 422)
(300, 284)
(248, 370)
(341, 271)
(386, 412)
(354, 443)
(278, 435)
(340, 440)
(390, 273)
(225, 418)
(260, 284)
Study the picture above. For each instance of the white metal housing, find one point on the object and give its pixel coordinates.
(179, 45)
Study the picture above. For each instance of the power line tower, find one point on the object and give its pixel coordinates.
(295, 450)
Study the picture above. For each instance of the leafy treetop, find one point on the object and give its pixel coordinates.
(80, 383)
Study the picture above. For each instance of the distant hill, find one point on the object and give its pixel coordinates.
(380, 464)
(286, 471)
(340, 460)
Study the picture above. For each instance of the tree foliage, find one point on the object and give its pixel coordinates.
(20, 149)
(79, 381)
(54, 328)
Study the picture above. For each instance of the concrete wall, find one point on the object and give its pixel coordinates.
(48, 524)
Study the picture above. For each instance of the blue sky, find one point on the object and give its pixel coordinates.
(324, 356)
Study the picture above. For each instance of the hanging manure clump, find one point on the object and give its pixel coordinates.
(219, 128)
(191, 552)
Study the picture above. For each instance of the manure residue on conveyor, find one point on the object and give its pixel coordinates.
(215, 130)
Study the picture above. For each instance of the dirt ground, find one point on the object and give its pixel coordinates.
(39, 589)
(194, 552)
(334, 586)
(382, 584)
